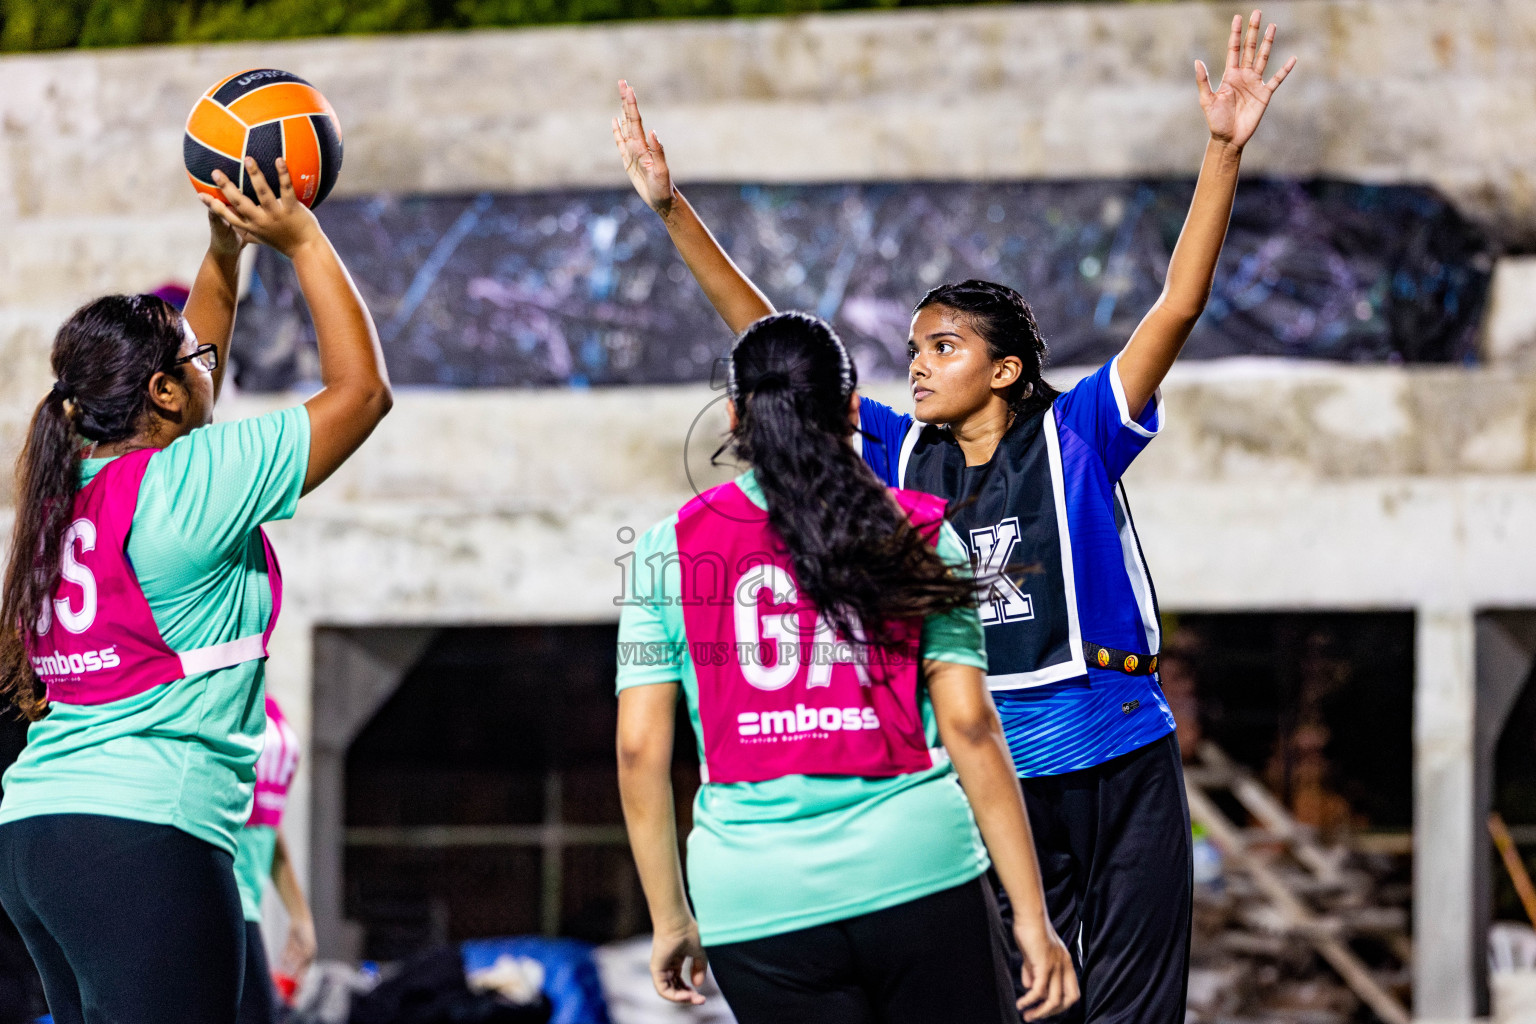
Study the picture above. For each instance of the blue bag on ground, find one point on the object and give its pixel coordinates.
(570, 975)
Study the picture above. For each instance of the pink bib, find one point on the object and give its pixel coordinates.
(96, 641)
(274, 769)
(779, 692)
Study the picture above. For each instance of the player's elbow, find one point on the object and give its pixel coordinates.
(639, 752)
(1181, 311)
(975, 725)
(379, 400)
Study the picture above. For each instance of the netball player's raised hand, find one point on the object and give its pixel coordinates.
(277, 220)
(1233, 111)
(644, 160)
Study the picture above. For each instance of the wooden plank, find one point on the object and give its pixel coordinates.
(1513, 864)
(1258, 801)
(1296, 914)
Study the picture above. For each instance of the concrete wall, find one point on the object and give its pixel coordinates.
(1431, 91)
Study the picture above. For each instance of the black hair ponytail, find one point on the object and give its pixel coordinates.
(856, 555)
(103, 357)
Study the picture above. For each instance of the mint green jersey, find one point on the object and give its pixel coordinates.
(255, 845)
(182, 754)
(766, 858)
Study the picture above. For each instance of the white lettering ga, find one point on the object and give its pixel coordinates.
(783, 628)
(81, 531)
(804, 719)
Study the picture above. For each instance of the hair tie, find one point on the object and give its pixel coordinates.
(61, 391)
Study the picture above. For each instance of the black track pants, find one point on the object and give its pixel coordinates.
(1114, 850)
(128, 922)
(934, 960)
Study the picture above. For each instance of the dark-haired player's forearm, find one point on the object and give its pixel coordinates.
(300, 947)
(645, 790)
(356, 393)
(734, 297)
(1233, 111)
(1157, 341)
(732, 293)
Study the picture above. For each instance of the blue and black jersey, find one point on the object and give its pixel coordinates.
(1048, 520)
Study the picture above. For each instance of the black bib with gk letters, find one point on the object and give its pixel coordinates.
(1006, 514)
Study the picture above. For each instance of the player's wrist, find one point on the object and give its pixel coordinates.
(667, 207)
(1032, 930)
(673, 923)
(1226, 147)
(306, 244)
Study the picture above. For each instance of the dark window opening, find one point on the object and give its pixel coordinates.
(1319, 705)
(482, 799)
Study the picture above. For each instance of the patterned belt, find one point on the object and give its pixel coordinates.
(1130, 663)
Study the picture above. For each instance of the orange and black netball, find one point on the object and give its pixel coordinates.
(264, 113)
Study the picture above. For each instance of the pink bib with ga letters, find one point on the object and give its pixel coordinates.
(274, 769)
(779, 692)
(96, 641)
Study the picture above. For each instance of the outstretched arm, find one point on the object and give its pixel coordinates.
(733, 295)
(1233, 111)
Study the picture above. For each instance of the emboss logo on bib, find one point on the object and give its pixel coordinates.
(804, 721)
(76, 664)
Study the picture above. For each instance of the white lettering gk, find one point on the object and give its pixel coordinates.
(1001, 600)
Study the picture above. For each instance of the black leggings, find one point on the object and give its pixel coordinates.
(934, 960)
(258, 998)
(128, 922)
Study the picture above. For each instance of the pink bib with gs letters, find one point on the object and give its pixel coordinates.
(97, 641)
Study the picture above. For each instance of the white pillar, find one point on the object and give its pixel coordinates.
(1446, 970)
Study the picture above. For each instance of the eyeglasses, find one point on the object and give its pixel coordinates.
(206, 356)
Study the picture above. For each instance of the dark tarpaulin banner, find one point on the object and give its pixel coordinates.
(583, 287)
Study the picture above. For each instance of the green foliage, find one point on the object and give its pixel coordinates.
(27, 25)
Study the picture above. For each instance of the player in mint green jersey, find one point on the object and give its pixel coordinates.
(822, 632)
(137, 606)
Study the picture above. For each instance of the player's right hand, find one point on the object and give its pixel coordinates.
(279, 221)
(1050, 980)
(644, 160)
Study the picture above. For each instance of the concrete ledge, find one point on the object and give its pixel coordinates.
(1436, 91)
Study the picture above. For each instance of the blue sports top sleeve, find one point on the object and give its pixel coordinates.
(883, 431)
(1096, 411)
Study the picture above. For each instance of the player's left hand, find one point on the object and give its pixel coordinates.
(669, 949)
(223, 238)
(1050, 980)
(1235, 108)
